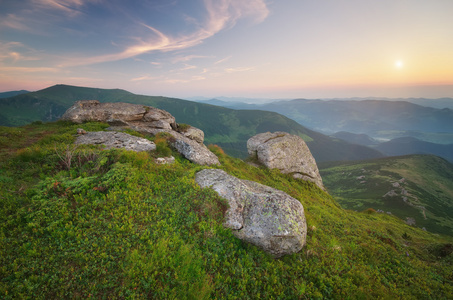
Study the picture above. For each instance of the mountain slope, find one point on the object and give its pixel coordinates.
(411, 145)
(114, 224)
(226, 127)
(422, 188)
(355, 138)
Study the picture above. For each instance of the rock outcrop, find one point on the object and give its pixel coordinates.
(112, 139)
(258, 214)
(144, 119)
(286, 152)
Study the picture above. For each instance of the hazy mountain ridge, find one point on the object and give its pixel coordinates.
(228, 128)
(411, 145)
(379, 120)
(253, 103)
(12, 93)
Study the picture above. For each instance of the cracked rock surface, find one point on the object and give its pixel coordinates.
(111, 139)
(261, 215)
(286, 152)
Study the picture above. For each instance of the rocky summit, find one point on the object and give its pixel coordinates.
(145, 119)
(116, 140)
(258, 214)
(286, 152)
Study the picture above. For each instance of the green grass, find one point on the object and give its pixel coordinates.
(116, 225)
(428, 181)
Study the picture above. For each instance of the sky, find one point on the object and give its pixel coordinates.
(235, 48)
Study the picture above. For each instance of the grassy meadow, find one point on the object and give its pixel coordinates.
(82, 222)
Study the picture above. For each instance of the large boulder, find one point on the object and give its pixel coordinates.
(286, 152)
(112, 139)
(144, 119)
(258, 214)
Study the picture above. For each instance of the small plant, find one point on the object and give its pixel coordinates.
(370, 211)
(181, 127)
(216, 149)
(66, 154)
(406, 236)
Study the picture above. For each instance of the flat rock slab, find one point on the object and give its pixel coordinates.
(258, 214)
(116, 140)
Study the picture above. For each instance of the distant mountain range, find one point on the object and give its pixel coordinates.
(251, 102)
(225, 127)
(12, 93)
(370, 122)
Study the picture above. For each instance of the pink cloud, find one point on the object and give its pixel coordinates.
(220, 15)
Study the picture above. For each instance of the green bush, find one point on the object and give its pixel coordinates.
(181, 127)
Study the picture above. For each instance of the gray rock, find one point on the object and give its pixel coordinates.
(81, 131)
(286, 152)
(194, 134)
(116, 140)
(258, 214)
(144, 119)
(93, 110)
(165, 160)
(193, 151)
(390, 193)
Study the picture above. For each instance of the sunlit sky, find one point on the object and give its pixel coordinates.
(238, 48)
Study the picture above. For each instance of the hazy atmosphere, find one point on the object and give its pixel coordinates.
(256, 48)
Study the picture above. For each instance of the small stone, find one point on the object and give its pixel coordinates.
(81, 131)
(165, 160)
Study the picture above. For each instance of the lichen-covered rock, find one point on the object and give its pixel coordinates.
(258, 214)
(193, 151)
(286, 152)
(93, 110)
(145, 119)
(112, 139)
(194, 134)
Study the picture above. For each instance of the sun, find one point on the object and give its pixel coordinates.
(399, 64)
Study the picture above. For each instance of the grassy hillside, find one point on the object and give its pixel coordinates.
(226, 127)
(422, 185)
(86, 223)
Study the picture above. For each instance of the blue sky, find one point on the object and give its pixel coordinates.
(253, 48)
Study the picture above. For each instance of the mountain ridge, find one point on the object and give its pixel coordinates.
(228, 128)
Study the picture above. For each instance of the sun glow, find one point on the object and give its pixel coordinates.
(399, 64)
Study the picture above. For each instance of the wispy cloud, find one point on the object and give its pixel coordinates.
(186, 58)
(29, 69)
(239, 69)
(70, 7)
(15, 22)
(144, 77)
(222, 60)
(220, 15)
(15, 52)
